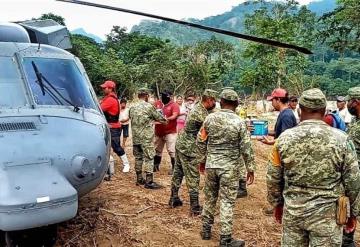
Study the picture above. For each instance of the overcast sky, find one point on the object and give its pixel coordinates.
(100, 22)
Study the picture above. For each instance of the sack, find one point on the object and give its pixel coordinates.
(338, 122)
(342, 210)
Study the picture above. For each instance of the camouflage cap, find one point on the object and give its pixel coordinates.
(353, 93)
(143, 90)
(210, 93)
(313, 98)
(229, 94)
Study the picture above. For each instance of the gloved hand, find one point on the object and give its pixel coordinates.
(278, 213)
(202, 168)
(350, 225)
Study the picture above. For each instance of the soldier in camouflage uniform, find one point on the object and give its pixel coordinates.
(353, 99)
(310, 167)
(186, 153)
(142, 116)
(223, 140)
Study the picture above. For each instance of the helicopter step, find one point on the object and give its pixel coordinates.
(34, 195)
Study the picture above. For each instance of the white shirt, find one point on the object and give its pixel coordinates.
(124, 114)
(345, 115)
(183, 112)
(296, 114)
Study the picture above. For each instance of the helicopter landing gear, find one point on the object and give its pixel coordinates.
(37, 237)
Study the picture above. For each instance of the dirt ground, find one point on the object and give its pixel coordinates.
(119, 213)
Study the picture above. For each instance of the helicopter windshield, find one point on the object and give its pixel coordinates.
(12, 92)
(64, 76)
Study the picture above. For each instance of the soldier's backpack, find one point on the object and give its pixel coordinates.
(338, 122)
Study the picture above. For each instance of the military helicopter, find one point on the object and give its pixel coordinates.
(55, 142)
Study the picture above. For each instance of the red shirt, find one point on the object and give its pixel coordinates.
(110, 104)
(158, 104)
(168, 110)
(328, 118)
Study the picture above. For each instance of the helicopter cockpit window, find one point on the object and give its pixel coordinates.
(61, 83)
(12, 92)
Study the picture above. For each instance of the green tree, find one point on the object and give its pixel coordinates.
(340, 29)
(271, 67)
(59, 19)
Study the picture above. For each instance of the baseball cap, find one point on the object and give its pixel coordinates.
(277, 93)
(340, 98)
(210, 93)
(229, 94)
(108, 84)
(313, 99)
(353, 93)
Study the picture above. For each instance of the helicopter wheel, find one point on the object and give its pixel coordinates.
(37, 237)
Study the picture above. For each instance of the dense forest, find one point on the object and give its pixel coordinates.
(158, 55)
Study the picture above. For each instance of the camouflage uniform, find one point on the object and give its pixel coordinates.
(142, 115)
(354, 128)
(223, 140)
(354, 135)
(186, 150)
(310, 167)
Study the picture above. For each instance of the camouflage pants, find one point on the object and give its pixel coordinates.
(320, 229)
(226, 183)
(144, 154)
(188, 166)
(242, 170)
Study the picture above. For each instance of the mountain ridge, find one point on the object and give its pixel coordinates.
(232, 20)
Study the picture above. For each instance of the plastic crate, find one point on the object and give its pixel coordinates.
(260, 127)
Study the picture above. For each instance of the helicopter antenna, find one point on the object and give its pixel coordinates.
(190, 24)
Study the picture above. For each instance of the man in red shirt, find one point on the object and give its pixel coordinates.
(166, 133)
(111, 108)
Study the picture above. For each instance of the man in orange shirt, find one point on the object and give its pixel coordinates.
(111, 108)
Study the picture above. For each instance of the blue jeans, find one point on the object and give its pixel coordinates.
(115, 141)
(125, 130)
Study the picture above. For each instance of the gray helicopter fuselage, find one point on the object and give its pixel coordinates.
(51, 151)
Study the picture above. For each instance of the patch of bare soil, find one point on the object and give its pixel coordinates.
(119, 213)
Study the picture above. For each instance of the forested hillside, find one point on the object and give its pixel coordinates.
(201, 60)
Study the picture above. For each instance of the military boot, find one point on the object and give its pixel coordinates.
(139, 179)
(242, 191)
(206, 232)
(171, 171)
(228, 241)
(157, 161)
(195, 208)
(174, 198)
(348, 239)
(149, 182)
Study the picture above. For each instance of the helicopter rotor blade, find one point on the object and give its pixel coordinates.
(190, 24)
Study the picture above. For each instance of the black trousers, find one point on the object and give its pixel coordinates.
(115, 141)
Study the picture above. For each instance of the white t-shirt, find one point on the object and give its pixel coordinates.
(296, 114)
(345, 115)
(183, 110)
(124, 114)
